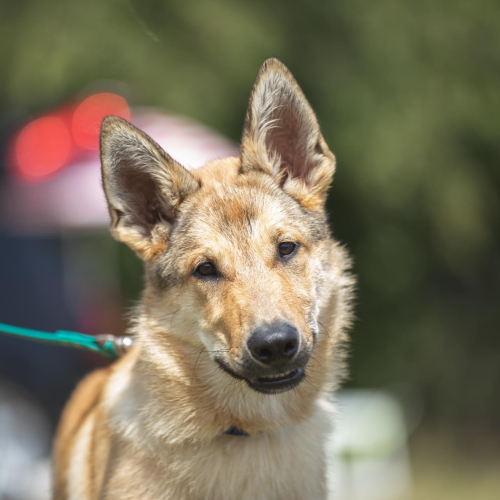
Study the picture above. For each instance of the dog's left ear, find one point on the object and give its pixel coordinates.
(144, 187)
(281, 137)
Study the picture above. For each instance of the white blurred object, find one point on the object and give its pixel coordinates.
(368, 455)
(24, 447)
(73, 198)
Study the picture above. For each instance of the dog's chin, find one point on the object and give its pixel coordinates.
(271, 384)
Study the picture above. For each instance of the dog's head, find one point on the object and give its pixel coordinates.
(237, 253)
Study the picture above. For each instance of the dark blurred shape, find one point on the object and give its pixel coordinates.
(32, 295)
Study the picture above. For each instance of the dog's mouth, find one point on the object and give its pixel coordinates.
(278, 383)
(269, 384)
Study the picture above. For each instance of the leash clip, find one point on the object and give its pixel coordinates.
(120, 344)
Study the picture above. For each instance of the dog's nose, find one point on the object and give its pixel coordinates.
(274, 344)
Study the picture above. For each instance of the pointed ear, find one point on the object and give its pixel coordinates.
(144, 187)
(281, 137)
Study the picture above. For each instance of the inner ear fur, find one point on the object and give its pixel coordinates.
(281, 137)
(144, 187)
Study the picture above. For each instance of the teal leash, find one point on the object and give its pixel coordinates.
(109, 346)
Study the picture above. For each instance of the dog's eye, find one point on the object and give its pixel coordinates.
(287, 249)
(206, 269)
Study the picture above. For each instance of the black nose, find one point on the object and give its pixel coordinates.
(274, 344)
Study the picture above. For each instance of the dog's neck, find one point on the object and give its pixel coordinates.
(175, 393)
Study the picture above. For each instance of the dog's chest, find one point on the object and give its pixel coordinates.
(282, 466)
(288, 464)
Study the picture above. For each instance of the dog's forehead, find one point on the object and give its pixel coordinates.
(231, 210)
(238, 209)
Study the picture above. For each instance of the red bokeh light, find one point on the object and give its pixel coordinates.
(88, 116)
(42, 147)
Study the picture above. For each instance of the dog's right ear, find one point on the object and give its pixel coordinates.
(144, 187)
(281, 137)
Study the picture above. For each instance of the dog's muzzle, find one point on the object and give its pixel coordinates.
(274, 361)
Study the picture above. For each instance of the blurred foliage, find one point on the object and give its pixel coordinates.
(408, 95)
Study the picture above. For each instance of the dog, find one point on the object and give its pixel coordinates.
(240, 332)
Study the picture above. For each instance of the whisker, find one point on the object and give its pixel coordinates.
(327, 332)
(305, 380)
(309, 370)
(195, 366)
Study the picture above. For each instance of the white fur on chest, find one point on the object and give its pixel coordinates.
(288, 464)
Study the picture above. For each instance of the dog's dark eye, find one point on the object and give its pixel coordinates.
(206, 269)
(287, 249)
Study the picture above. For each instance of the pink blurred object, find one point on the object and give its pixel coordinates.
(74, 198)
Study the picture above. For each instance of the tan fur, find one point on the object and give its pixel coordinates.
(152, 427)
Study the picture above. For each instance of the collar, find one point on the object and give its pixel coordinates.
(234, 431)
